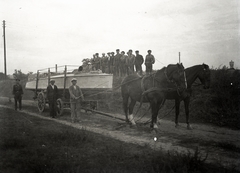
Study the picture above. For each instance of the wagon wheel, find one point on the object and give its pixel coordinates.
(41, 102)
(60, 107)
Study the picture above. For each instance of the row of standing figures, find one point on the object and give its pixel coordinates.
(121, 64)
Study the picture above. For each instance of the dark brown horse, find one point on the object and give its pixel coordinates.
(172, 76)
(201, 72)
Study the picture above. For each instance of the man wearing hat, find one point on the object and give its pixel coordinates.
(111, 62)
(18, 92)
(97, 61)
(130, 62)
(52, 96)
(149, 61)
(123, 65)
(104, 63)
(138, 62)
(116, 62)
(76, 96)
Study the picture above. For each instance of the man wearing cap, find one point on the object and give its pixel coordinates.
(123, 67)
(104, 63)
(76, 96)
(93, 62)
(130, 62)
(138, 62)
(116, 62)
(111, 62)
(52, 96)
(18, 92)
(149, 61)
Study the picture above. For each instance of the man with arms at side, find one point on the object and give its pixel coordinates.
(149, 61)
(18, 92)
(52, 96)
(76, 96)
(138, 62)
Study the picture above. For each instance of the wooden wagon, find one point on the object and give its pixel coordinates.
(94, 85)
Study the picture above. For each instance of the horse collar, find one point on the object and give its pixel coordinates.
(165, 72)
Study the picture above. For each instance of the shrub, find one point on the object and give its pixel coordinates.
(225, 99)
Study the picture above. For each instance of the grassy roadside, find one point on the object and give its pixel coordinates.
(45, 146)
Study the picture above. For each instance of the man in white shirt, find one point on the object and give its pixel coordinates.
(76, 96)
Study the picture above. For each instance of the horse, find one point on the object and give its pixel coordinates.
(201, 72)
(133, 86)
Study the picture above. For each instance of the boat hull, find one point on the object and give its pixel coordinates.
(95, 82)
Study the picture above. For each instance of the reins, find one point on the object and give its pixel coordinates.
(154, 78)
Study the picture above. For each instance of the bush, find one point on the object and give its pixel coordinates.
(225, 98)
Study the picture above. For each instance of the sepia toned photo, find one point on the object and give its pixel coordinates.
(101, 86)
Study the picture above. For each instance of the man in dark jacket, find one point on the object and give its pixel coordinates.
(138, 62)
(52, 96)
(149, 61)
(18, 92)
(116, 62)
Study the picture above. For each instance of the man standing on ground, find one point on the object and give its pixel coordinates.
(52, 96)
(76, 96)
(149, 61)
(18, 92)
(138, 62)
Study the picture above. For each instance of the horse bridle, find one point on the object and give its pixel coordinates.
(172, 81)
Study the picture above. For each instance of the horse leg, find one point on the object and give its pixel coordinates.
(125, 106)
(161, 105)
(186, 104)
(155, 108)
(131, 107)
(177, 105)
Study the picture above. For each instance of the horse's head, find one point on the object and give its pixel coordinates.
(176, 74)
(204, 76)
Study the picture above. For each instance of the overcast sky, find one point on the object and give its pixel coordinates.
(40, 34)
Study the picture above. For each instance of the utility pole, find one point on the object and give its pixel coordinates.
(4, 44)
(179, 58)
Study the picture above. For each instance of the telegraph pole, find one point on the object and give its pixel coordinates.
(179, 58)
(4, 44)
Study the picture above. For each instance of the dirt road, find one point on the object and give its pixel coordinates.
(221, 144)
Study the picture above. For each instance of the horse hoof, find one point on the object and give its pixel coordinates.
(154, 126)
(133, 124)
(189, 127)
(176, 125)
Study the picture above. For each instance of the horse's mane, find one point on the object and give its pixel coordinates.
(205, 66)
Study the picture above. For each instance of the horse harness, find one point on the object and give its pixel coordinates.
(168, 79)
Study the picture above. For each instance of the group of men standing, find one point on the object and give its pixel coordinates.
(121, 63)
(52, 94)
(76, 97)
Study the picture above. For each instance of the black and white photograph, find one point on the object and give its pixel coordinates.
(110, 86)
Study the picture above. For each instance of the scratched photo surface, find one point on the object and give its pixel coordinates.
(119, 86)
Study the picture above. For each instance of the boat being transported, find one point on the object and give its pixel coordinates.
(91, 83)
